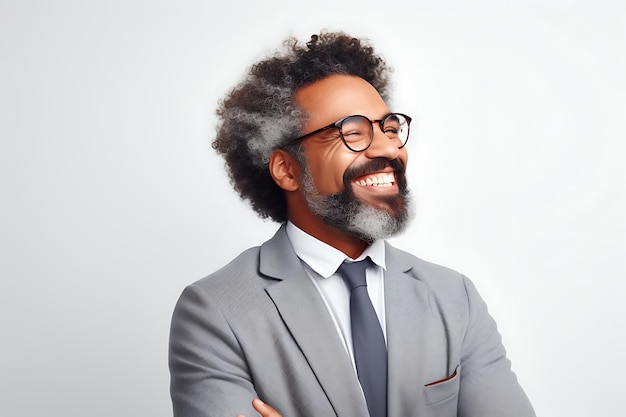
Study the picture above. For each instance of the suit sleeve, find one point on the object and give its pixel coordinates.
(209, 374)
(489, 388)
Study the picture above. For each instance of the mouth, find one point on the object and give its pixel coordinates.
(378, 180)
(377, 188)
(378, 176)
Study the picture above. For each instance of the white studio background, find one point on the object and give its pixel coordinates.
(113, 201)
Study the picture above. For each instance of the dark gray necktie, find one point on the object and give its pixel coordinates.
(368, 342)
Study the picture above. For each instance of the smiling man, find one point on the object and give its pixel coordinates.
(348, 187)
(326, 318)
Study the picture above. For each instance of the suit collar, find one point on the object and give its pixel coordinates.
(407, 304)
(305, 315)
(277, 257)
(279, 260)
(325, 259)
(397, 261)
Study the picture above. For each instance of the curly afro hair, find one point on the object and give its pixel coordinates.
(258, 116)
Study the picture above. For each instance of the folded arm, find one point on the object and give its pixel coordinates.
(209, 374)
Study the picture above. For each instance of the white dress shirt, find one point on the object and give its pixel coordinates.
(321, 262)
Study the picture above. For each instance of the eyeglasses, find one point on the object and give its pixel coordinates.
(357, 132)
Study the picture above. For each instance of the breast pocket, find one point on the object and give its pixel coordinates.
(442, 395)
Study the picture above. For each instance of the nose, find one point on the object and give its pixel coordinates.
(382, 146)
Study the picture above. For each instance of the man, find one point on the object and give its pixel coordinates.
(310, 142)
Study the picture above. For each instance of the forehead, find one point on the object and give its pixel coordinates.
(338, 96)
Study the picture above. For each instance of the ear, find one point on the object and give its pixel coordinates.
(285, 170)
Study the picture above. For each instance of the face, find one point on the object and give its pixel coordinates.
(361, 193)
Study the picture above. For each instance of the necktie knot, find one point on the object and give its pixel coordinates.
(353, 273)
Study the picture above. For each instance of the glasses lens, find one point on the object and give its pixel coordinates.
(357, 132)
(396, 127)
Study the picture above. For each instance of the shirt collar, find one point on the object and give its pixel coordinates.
(323, 258)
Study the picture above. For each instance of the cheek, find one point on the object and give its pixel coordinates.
(328, 168)
(331, 176)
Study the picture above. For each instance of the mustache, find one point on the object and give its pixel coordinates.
(373, 165)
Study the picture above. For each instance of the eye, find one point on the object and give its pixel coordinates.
(391, 129)
(392, 126)
(355, 128)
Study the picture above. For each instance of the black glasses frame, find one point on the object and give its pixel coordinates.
(339, 123)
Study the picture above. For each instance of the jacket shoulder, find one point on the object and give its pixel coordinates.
(442, 281)
(239, 269)
(422, 268)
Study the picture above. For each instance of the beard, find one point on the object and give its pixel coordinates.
(345, 212)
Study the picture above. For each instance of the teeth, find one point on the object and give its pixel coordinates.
(383, 180)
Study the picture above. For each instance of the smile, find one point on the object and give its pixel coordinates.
(377, 180)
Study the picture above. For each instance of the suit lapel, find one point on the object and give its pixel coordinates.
(406, 301)
(305, 314)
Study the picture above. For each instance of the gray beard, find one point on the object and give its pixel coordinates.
(346, 213)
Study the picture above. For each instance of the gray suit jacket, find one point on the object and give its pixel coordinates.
(259, 328)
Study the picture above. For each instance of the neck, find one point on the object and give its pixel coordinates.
(349, 245)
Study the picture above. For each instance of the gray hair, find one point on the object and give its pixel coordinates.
(259, 116)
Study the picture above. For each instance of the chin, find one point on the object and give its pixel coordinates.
(369, 218)
(362, 219)
(370, 222)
